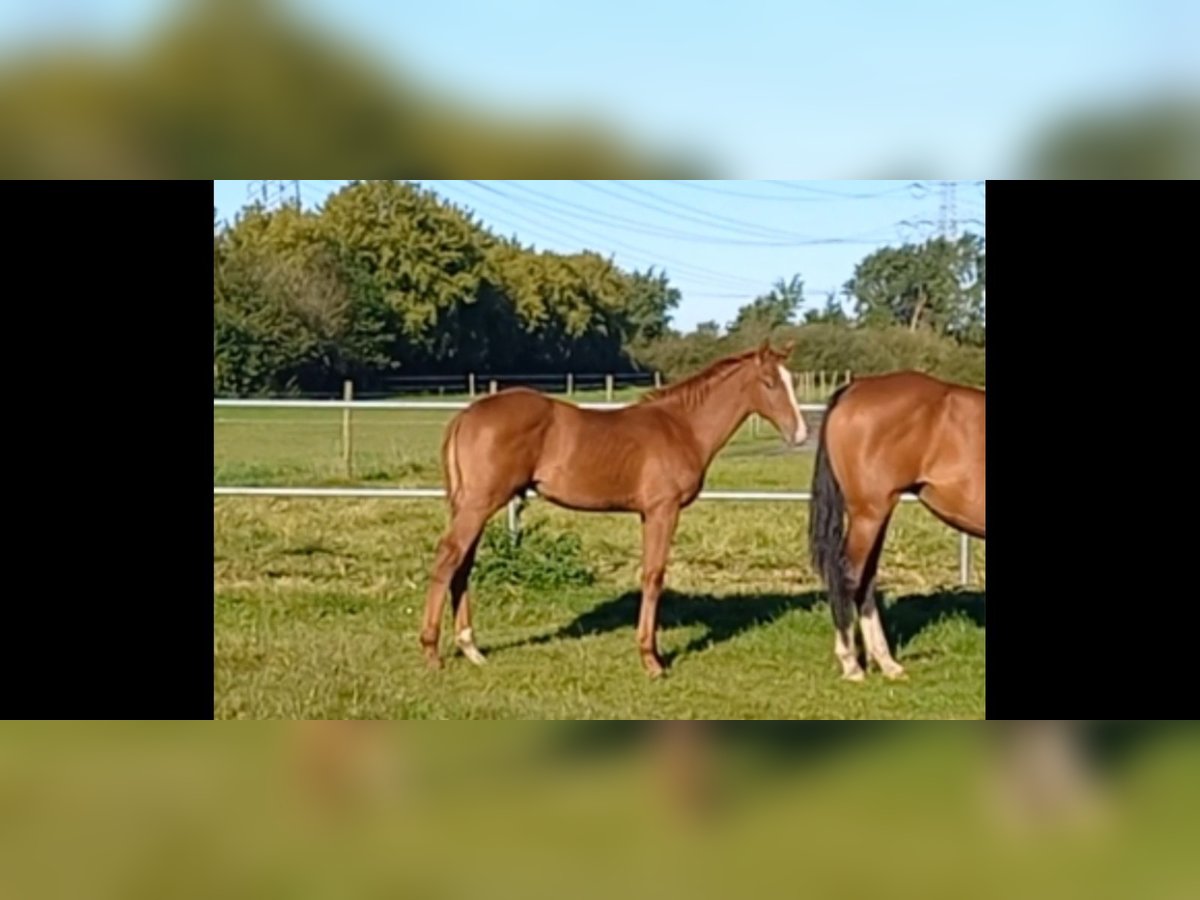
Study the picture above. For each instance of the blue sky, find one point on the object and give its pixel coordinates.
(793, 89)
(707, 234)
(835, 88)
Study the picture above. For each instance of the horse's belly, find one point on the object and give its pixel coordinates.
(572, 494)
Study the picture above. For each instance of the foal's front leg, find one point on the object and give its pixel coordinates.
(658, 528)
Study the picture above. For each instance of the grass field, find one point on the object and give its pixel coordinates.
(176, 811)
(317, 602)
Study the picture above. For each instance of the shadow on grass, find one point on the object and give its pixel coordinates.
(724, 618)
(906, 617)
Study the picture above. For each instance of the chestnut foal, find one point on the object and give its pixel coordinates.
(649, 458)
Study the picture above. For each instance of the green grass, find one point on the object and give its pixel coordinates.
(176, 811)
(317, 602)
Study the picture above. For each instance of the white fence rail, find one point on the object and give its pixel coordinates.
(406, 404)
(964, 547)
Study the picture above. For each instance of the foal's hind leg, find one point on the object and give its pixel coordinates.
(453, 550)
(460, 602)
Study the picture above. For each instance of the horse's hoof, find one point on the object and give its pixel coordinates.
(465, 640)
(855, 675)
(654, 668)
(896, 674)
(472, 653)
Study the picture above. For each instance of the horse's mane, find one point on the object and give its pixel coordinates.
(695, 388)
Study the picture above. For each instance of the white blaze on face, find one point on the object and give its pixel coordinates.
(801, 428)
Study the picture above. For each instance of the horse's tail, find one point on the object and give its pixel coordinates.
(450, 469)
(826, 527)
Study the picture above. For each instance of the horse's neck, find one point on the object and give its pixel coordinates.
(714, 421)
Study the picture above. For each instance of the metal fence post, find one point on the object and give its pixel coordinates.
(347, 434)
(964, 559)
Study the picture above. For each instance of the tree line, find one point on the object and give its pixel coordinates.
(389, 278)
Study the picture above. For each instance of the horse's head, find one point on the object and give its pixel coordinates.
(772, 395)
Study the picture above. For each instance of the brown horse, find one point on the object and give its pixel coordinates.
(883, 436)
(649, 458)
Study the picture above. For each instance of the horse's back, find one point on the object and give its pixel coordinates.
(516, 406)
(898, 425)
(908, 383)
(910, 394)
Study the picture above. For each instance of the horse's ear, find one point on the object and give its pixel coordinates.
(786, 350)
(764, 348)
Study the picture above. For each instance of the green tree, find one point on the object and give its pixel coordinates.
(937, 285)
(649, 305)
(830, 314)
(570, 310)
(416, 255)
(285, 310)
(388, 275)
(765, 313)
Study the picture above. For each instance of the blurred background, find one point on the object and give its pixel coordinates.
(595, 810)
(533, 88)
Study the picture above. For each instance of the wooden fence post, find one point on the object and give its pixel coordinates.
(347, 433)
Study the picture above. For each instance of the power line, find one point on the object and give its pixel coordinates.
(635, 253)
(273, 192)
(595, 216)
(613, 241)
(705, 217)
(315, 193)
(777, 231)
(927, 228)
(763, 235)
(784, 239)
(678, 272)
(563, 220)
(822, 196)
(602, 218)
(827, 192)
